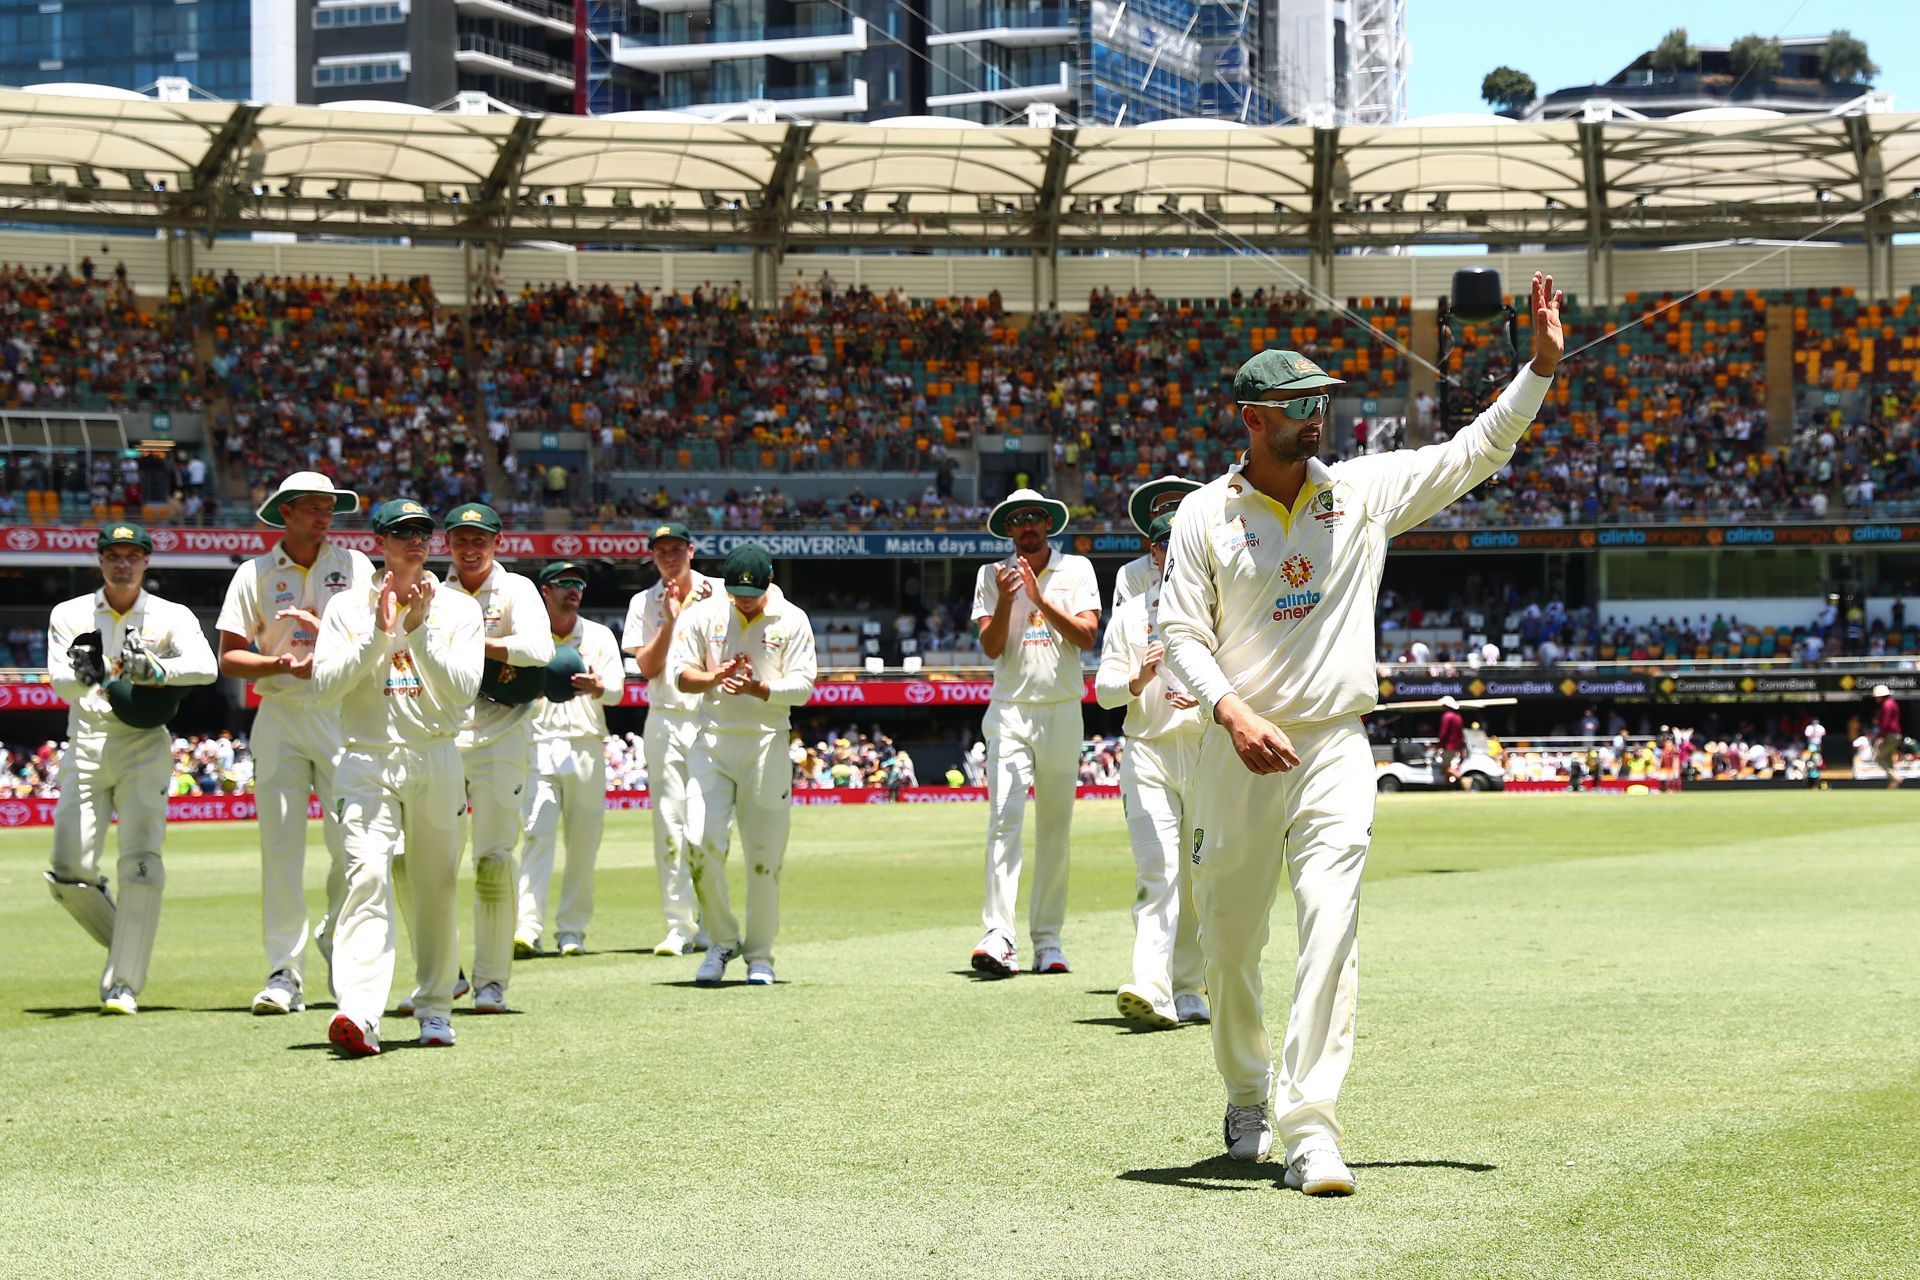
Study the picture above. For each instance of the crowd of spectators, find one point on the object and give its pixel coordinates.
(1471, 628)
(378, 382)
(366, 380)
(1797, 747)
(851, 758)
(78, 341)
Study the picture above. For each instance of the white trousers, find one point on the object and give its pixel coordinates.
(497, 797)
(294, 748)
(1037, 745)
(1314, 823)
(667, 740)
(127, 774)
(403, 816)
(743, 778)
(569, 790)
(1157, 775)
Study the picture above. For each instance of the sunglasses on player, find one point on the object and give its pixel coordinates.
(1300, 408)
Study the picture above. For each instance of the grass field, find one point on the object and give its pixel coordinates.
(1665, 1036)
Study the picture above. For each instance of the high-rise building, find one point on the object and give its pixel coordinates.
(231, 49)
(1341, 61)
(1101, 61)
(1654, 93)
(818, 59)
(424, 52)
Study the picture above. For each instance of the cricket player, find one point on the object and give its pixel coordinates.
(1157, 775)
(1451, 740)
(747, 654)
(119, 657)
(1037, 612)
(267, 627)
(569, 763)
(1268, 613)
(1151, 499)
(1888, 739)
(673, 721)
(403, 660)
(494, 742)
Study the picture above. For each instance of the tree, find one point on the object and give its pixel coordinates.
(1508, 89)
(1845, 60)
(1674, 53)
(1756, 55)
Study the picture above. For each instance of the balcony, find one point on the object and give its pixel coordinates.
(837, 98)
(1018, 29)
(810, 42)
(1001, 92)
(481, 53)
(551, 15)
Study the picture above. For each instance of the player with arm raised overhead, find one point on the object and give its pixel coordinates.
(121, 657)
(1268, 613)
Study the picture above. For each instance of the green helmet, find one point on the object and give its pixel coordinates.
(511, 686)
(567, 663)
(143, 706)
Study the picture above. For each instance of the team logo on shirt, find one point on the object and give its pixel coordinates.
(1326, 508)
(336, 581)
(1037, 631)
(1242, 539)
(1297, 570)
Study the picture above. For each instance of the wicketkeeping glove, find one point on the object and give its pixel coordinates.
(89, 663)
(137, 664)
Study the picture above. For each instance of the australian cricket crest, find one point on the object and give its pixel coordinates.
(1326, 508)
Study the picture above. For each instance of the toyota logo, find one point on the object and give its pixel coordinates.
(23, 539)
(919, 694)
(165, 539)
(566, 545)
(15, 813)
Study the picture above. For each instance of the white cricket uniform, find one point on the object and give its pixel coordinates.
(1278, 606)
(111, 767)
(494, 751)
(1135, 576)
(1034, 731)
(295, 739)
(673, 722)
(739, 769)
(399, 797)
(1157, 776)
(569, 787)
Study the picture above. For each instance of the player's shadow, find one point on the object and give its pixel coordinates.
(79, 1010)
(974, 975)
(1126, 1026)
(1221, 1173)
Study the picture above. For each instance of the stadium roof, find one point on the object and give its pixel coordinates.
(218, 168)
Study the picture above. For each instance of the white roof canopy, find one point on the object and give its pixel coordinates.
(220, 168)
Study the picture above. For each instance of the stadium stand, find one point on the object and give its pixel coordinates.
(79, 342)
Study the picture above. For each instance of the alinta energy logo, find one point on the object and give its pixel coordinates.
(1296, 604)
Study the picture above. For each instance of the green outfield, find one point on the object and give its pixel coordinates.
(1599, 1036)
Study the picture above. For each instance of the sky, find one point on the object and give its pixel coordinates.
(1456, 42)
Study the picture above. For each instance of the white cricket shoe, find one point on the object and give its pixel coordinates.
(573, 944)
(714, 966)
(461, 986)
(352, 1038)
(760, 973)
(526, 946)
(119, 999)
(1247, 1132)
(1320, 1172)
(1137, 1004)
(675, 943)
(280, 995)
(436, 1030)
(1190, 1006)
(490, 998)
(995, 956)
(1050, 960)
